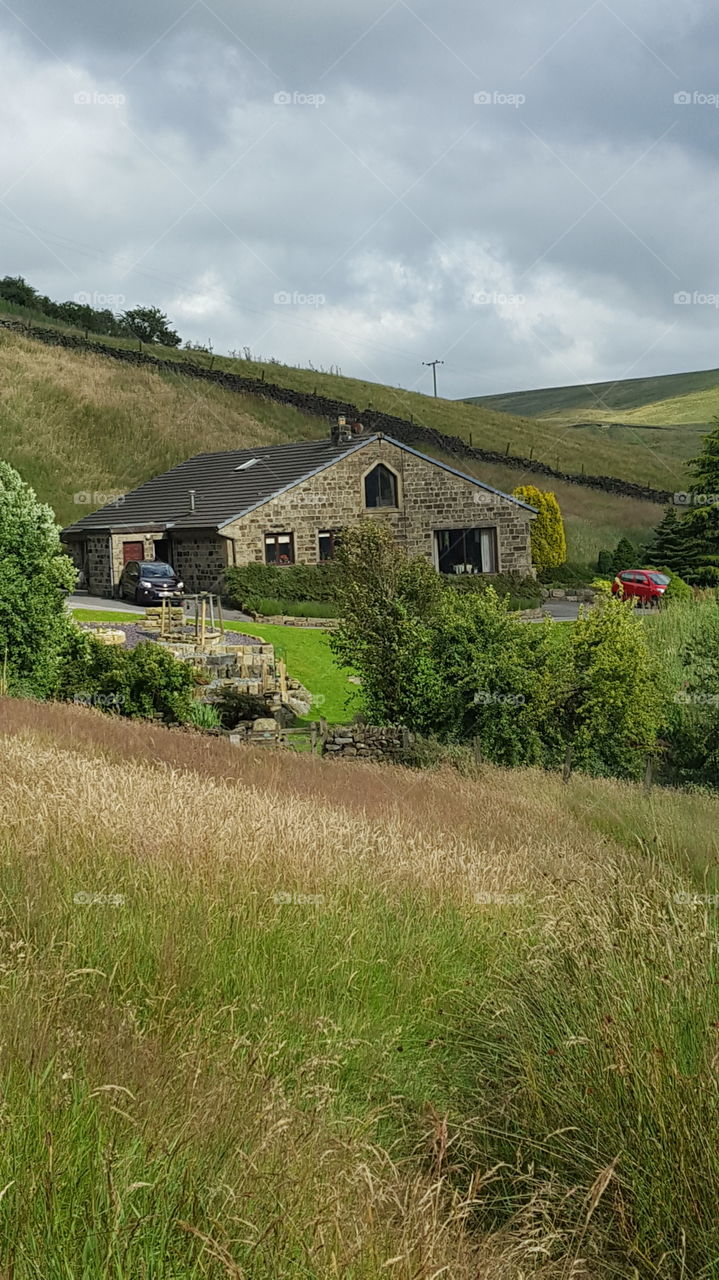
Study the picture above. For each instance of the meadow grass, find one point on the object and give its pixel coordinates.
(347, 1020)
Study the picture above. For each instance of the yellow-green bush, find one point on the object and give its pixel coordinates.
(549, 544)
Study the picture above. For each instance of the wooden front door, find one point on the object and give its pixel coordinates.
(132, 551)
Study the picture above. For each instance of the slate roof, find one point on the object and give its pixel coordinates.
(223, 492)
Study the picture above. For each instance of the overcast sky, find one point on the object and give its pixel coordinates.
(517, 189)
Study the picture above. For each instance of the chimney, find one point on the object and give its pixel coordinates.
(192, 499)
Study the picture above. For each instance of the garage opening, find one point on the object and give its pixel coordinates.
(132, 551)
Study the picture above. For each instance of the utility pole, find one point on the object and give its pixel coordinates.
(433, 365)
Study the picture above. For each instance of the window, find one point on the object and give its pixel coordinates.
(328, 541)
(466, 550)
(245, 466)
(279, 548)
(380, 487)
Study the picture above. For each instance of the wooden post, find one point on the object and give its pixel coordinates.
(203, 623)
(220, 619)
(648, 775)
(313, 736)
(477, 750)
(567, 770)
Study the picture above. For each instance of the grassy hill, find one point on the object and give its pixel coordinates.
(324, 1020)
(662, 420)
(661, 465)
(700, 388)
(74, 423)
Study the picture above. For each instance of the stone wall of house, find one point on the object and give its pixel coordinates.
(429, 498)
(97, 555)
(200, 559)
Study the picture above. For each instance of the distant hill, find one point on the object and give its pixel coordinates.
(666, 398)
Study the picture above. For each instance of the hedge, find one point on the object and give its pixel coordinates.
(246, 583)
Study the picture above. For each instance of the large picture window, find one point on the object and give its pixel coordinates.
(466, 550)
(380, 487)
(279, 548)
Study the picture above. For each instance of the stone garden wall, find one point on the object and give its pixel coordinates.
(408, 431)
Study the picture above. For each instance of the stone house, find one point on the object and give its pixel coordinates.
(285, 504)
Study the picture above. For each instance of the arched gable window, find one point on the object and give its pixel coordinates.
(380, 487)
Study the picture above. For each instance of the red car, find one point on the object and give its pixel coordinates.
(646, 584)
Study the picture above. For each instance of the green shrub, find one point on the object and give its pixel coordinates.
(204, 716)
(625, 556)
(602, 585)
(549, 543)
(522, 591)
(35, 576)
(243, 583)
(146, 682)
(269, 606)
(611, 710)
(567, 575)
(604, 564)
(707, 576)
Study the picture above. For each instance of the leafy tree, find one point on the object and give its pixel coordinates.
(387, 603)
(16, 289)
(444, 663)
(149, 324)
(35, 575)
(625, 556)
(497, 676)
(612, 706)
(549, 543)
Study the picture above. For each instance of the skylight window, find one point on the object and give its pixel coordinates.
(245, 466)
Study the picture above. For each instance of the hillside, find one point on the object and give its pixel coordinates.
(700, 389)
(351, 1030)
(74, 423)
(661, 465)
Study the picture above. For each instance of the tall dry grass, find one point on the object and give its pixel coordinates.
(345, 1020)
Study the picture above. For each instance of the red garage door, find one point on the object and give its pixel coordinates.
(132, 551)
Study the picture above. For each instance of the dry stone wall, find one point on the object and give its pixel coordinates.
(369, 742)
(407, 431)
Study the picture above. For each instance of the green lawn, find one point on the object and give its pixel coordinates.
(305, 650)
(308, 656)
